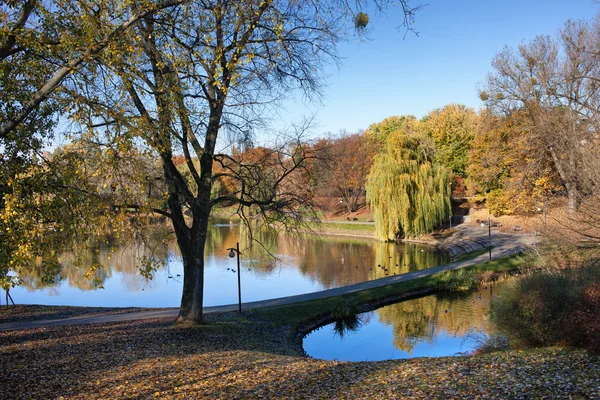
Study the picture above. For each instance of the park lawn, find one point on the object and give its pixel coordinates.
(246, 357)
(258, 354)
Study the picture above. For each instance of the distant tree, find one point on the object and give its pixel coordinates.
(379, 132)
(452, 129)
(408, 193)
(345, 167)
(503, 166)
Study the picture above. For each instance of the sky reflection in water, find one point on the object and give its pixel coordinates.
(431, 326)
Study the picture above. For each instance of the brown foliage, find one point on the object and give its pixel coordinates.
(506, 166)
(343, 173)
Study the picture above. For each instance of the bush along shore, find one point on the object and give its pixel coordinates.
(258, 354)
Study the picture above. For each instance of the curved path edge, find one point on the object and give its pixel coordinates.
(502, 250)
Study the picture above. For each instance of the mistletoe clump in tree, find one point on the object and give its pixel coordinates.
(408, 193)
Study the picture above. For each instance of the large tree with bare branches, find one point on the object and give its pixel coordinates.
(187, 77)
(556, 83)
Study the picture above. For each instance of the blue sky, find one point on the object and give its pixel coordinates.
(391, 75)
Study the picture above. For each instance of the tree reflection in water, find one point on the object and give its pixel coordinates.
(428, 326)
(305, 263)
(88, 265)
(347, 318)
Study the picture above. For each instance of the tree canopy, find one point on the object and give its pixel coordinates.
(452, 128)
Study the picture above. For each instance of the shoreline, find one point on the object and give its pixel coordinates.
(465, 239)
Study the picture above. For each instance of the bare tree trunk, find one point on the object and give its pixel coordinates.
(192, 247)
(573, 193)
(192, 298)
(574, 199)
(193, 284)
(355, 199)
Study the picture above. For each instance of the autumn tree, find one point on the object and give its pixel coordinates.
(379, 132)
(50, 40)
(503, 165)
(52, 206)
(176, 84)
(42, 44)
(555, 81)
(353, 157)
(407, 191)
(343, 168)
(452, 128)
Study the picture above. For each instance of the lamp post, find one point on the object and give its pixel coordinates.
(450, 192)
(490, 236)
(235, 251)
(541, 210)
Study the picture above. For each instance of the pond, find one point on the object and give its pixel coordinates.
(431, 326)
(299, 264)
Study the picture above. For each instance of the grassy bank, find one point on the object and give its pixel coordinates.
(344, 228)
(303, 317)
(322, 227)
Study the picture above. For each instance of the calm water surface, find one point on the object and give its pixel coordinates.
(301, 265)
(431, 326)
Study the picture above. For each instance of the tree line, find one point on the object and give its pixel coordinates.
(535, 139)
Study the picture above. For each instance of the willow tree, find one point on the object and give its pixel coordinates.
(408, 193)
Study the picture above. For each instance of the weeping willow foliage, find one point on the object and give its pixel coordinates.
(408, 194)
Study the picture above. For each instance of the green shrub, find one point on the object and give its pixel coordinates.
(462, 280)
(490, 343)
(346, 316)
(552, 308)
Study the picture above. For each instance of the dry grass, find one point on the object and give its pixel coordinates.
(528, 224)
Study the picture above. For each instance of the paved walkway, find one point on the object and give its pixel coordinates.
(504, 245)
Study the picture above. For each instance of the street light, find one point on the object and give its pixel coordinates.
(235, 251)
(540, 210)
(450, 190)
(490, 236)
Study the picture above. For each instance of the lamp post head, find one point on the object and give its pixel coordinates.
(231, 253)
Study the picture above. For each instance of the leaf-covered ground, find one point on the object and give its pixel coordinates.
(240, 357)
